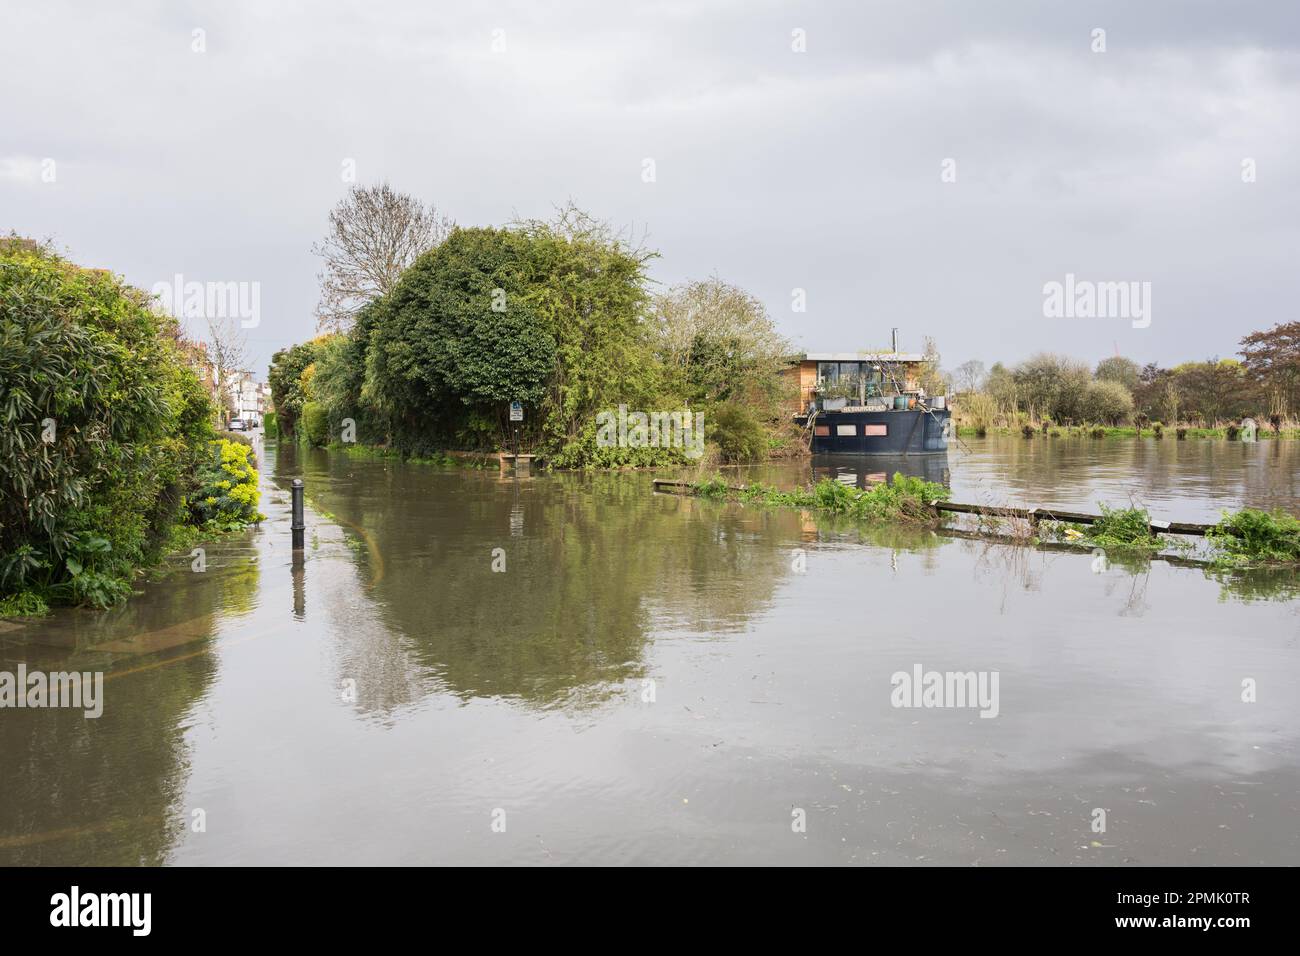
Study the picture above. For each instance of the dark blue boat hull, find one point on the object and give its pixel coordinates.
(905, 432)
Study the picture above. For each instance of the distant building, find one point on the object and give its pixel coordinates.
(249, 397)
(241, 397)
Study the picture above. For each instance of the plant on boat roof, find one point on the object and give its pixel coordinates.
(847, 390)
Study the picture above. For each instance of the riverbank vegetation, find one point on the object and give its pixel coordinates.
(1117, 529)
(106, 433)
(1255, 538)
(559, 316)
(1244, 540)
(903, 499)
(1056, 396)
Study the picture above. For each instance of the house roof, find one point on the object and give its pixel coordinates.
(863, 357)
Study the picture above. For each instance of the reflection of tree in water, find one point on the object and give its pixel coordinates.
(108, 791)
(594, 565)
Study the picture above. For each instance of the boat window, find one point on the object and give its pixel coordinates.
(828, 372)
(822, 431)
(875, 430)
(846, 431)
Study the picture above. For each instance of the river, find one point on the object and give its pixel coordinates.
(465, 668)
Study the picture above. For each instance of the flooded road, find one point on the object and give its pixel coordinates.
(571, 669)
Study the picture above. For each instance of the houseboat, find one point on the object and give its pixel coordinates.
(868, 403)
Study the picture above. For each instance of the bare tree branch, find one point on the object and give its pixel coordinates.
(374, 234)
(571, 222)
(227, 354)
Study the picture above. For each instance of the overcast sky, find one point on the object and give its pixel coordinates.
(775, 169)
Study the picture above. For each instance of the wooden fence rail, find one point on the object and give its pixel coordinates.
(1032, 515)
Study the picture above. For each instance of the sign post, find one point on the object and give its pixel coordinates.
(516, 415)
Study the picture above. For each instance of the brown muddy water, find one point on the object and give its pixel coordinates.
(656, 679)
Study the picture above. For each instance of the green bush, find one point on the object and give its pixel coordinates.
(239, 438)
(1123, 528)
(1257, 537)
(102, 428)
(285, 379)
(227, 499)
(902, 499)
(737, 432)
(270, 425)
(532, 313)
(23, 604)
(315, 424)
(1106, 401)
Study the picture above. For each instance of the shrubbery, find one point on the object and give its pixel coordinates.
(557, 316)
(315, 424)
(737, 432)
(1106, 401)
(285, 379)
(1252, 536)
(102, 428)
(903, 498)
(228, 494)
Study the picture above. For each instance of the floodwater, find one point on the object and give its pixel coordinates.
(657, 679)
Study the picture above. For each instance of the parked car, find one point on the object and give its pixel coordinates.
(238, 425)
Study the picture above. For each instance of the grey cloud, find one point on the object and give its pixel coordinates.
(776, 170)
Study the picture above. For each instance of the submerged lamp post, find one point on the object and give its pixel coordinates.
(298, 526)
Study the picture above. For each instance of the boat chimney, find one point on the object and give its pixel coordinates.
(895, 340)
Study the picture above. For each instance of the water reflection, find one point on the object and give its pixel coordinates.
(109, 790)
(586, 564)
(1176, 480)
(860, 471)
(368, 699)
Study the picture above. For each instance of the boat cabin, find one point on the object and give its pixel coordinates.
(867, 403)
(837, 380)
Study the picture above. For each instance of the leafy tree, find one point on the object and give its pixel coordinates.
(1215, 390)
(460, 337)
(591, 284)
(1106, 401)
(717, 343)
(1119, 369)
(1272, 358)
(285, 379)
(1052, 386)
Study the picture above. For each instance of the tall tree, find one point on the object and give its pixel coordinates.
(717, 342)
(969, 376)
(1216, 390)
(1119, 369)
(1273, 360)
(374, 234)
